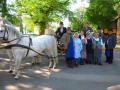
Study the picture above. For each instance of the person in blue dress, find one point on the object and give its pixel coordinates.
(78, 48)
(67, 40)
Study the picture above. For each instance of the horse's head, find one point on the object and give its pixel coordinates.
(3, 33)
(5, 21)
(2, 20)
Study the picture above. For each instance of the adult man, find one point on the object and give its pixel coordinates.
(103, 37)
(60, 31)
(110, 44)
(86, 28)
(67, 40)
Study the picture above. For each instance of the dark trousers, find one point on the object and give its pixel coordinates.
(110, 58)
(69, 60)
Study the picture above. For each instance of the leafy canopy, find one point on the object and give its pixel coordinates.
(77, 19)
(42, 12)
(102, 13)
(7, 11)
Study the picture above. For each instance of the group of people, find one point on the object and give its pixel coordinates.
(86, 47)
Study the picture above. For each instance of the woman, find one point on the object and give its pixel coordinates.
(89, 48)
(78, 48)
(97, 46)
(67, 40)
(83, 51)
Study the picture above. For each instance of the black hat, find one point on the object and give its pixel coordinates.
(68, 28)
(110, 29)
(61, 23)
(99, 28)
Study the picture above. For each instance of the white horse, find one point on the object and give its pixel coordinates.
(45, 43)
(9, 51)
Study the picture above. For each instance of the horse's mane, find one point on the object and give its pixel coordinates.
(5, 21)
(14, 31)
(10, 27)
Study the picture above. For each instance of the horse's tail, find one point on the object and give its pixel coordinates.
(55, 51)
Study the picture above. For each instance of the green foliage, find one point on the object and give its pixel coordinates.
(42, 12)
(7, 11)
(29, 25)
(102, 13)
(77, 19)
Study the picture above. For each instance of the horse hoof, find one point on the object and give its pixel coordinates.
(33, 63)
(10, 71)
(53, 67)
(50, 67)
(16, 78)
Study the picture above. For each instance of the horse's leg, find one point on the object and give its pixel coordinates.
(18, 62)
(15, 67)
(33, 61)
(54, 61)
(49, 57)
(9, 52)
(50, 62)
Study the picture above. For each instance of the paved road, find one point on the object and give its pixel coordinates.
(86, 77)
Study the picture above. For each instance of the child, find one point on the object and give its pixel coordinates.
(77, 49)
(83, 51)
(89, 48)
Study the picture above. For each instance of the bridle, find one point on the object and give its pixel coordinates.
(5, 39)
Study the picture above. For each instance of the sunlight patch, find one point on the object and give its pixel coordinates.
(25, 85)
(25, 76)
(116, 87)
(11, 87)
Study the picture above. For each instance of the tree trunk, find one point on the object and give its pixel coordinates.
(4, 8)
(42, 31)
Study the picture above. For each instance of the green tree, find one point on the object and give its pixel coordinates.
(42, 12)
(102, 13)
(77, 20)
(7, 11)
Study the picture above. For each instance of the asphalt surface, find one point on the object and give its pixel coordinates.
(38, 77)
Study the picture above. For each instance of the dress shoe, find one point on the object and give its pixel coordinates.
(95, 63)
(100, 64)
(76, 64)
(86, 62)
(110, 62)
(89, 62)
(106, 61)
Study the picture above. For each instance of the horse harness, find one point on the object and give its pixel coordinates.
(4, 38)
(23, 46)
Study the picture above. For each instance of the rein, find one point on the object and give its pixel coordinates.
(6, 31)
(26, 47)
(5, 40)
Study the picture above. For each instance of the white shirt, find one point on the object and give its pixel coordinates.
(97, 39)
(61, 29)
(82, 37)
